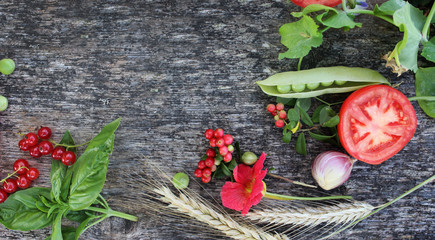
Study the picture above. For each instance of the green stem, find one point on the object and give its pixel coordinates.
(113, 213)
(13, 174)
(327, 103)
(68, 146)
(384, 206)
(300, 63)
(426, 98)
(291, 181)
(285, 197)
(426, 27)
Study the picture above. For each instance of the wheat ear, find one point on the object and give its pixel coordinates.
(311, 216)
(198, 210)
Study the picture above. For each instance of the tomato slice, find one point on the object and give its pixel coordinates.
(376, 122)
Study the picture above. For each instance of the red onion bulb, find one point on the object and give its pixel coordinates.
(331, 169)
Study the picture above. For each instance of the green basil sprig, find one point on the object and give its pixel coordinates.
(74, 194)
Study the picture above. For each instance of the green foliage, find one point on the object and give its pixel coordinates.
(429, 50)
(425, 86)
(301, 144)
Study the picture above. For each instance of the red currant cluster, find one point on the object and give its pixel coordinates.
(221, 150)
(25, 176)
(39, 144)
(278, 114)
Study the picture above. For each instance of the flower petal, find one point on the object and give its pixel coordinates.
(243, 174)
(259, 164)
(234, 196)
(254, 200)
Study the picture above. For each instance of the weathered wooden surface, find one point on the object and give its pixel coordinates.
(171, 69)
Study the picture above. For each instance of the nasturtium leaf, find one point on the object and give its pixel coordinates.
(293, 115)
(337, 20)
(304, 103)
(429, 50)
(425, 86)
(316, 113)
(332, 122)
(389, 7)
(320, 137)
(299, 37)
(410, 21)
(301, 145)
(313, 8)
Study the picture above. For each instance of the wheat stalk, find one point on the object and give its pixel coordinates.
(341, 213)
(194, 208)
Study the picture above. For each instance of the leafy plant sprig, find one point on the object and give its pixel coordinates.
(74, 193)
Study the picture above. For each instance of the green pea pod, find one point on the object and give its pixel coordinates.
(355, 78)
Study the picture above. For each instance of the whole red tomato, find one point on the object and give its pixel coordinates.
(329, 3)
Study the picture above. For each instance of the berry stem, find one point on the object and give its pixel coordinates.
(109, 212)
(291, 181)
(13, 174)
(69, 146)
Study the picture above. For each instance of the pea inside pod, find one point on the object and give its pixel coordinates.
(319, 81)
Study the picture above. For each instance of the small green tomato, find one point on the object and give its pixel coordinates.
(3, 103)
(283, 88)
(313, 86)
(249, 158)
(298, 87)
(327, 84)
(340, 82)
(7, 66)
(180, 180)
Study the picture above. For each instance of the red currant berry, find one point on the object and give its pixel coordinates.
(279, 107)
(223, 150)
(201, 164)
(68, 158)
(218, 133)
(21, 164)
(32, 174)
(3, 195)
(10, 185)
(206, 172)
(274, 113)
(45, 147)
(210, 153)
(228, 157)
(212, 142)
(34, 151)
(209, 133)
(206, 179)
(58, 152)
(23, 145)
(228, 139)
(209, 162)
(282, 114)
(279, 123)
(220, 142)
(271, 108)
(23, 182)
(44, 133)
(198, 173)
(31, 139)
(213, 168)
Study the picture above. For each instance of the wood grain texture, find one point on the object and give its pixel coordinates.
(172, 69)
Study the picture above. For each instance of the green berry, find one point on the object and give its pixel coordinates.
(249, 158)
(283, 88)
(7, 66)
(180, 180)
(3, 103)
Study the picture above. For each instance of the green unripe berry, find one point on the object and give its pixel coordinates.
(3, 103)
(313, 86)
(327, 84)
(249, 158)
(7, 66)
(298, 87)
(283, 88)
(340, 82)
(230, 148)
(180, 180)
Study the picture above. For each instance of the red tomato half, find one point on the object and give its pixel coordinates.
(304, 3)
(376, 122)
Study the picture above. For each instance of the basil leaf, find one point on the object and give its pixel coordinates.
(82, 227)
(101, 140)
(58, 172)
(76, 216)
(301, 145)
(287, 137)
(332, 122)
(225, 170)
(219, 173)
(299, 37)
(293, 115)
(304, 103)
(316, 113)
(68, 233)
(320, 137)
(232, 164)
(306, 118)
(65, 187)
(57, 227)
(325, 114)
(425, 86)
(19, 213)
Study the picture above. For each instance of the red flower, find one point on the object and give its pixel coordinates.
(247, 190)
(329, 3)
